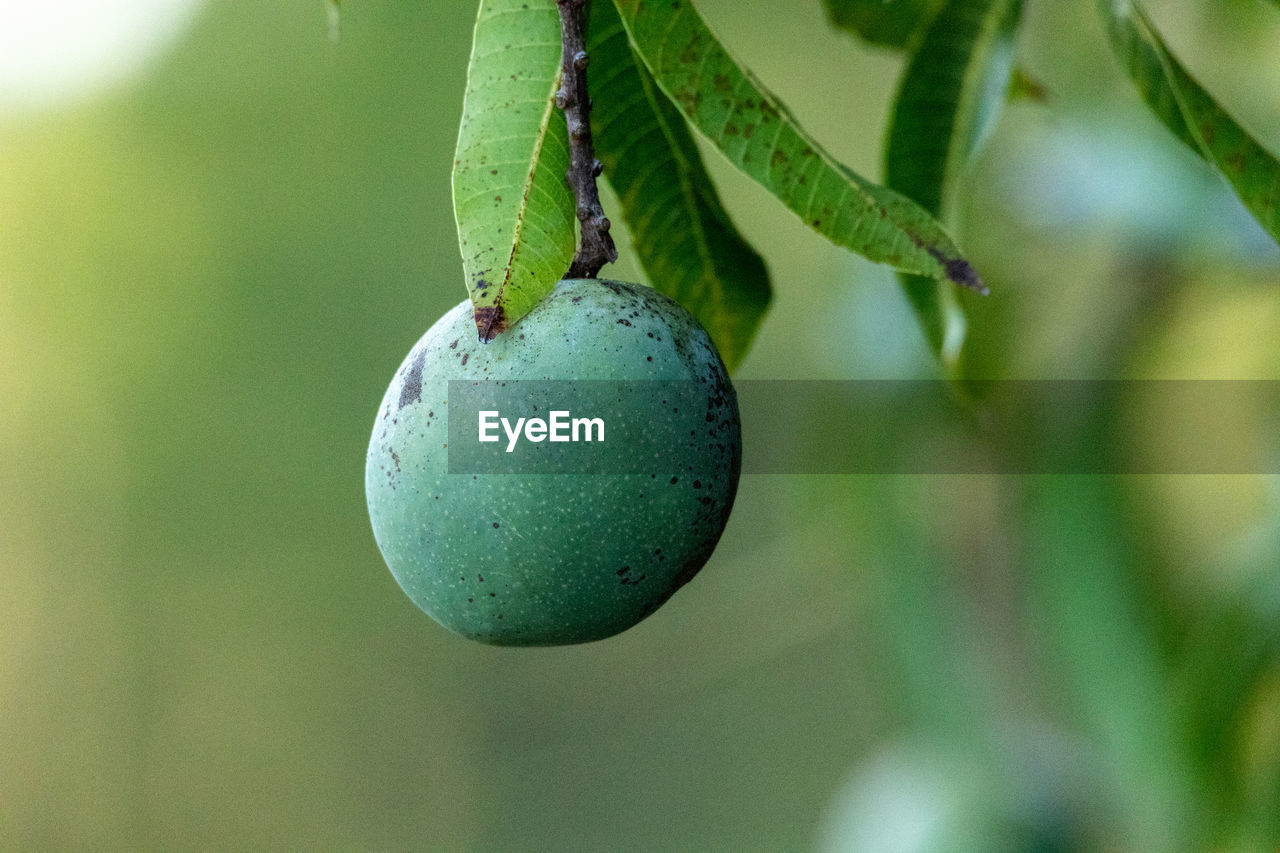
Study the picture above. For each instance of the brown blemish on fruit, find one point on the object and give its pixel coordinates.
(411, 390)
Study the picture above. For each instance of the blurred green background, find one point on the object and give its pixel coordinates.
(209, 270)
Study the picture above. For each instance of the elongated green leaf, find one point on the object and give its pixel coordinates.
(757, 134)
(1101, 649)
(1192, 114)
(893, 23)
(683, 238)
(516, 222)
(953, 88)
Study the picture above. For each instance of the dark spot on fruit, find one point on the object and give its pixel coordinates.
(465, 356)
(411, 390)
(674, 480)
(495, 525)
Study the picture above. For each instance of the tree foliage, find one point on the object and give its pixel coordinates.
(659, 74)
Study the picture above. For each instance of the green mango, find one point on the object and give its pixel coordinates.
(538, 559)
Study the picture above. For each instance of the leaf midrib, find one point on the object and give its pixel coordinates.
(528, 187)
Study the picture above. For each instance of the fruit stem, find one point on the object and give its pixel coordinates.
(596, 248)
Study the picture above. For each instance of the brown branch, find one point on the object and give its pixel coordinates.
(597, 247)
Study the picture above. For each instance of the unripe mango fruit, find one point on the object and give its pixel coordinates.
(550, 559)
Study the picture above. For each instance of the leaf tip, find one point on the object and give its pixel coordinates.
(961, 272)
(491, 321)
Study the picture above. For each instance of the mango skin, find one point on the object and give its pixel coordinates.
(536, 560)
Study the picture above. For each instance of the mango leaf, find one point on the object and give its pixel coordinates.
(757, 134)
(1095, 635)
(954, 86)
(682, 236)
(892, 23)
(516, 223)
(1192, 114)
